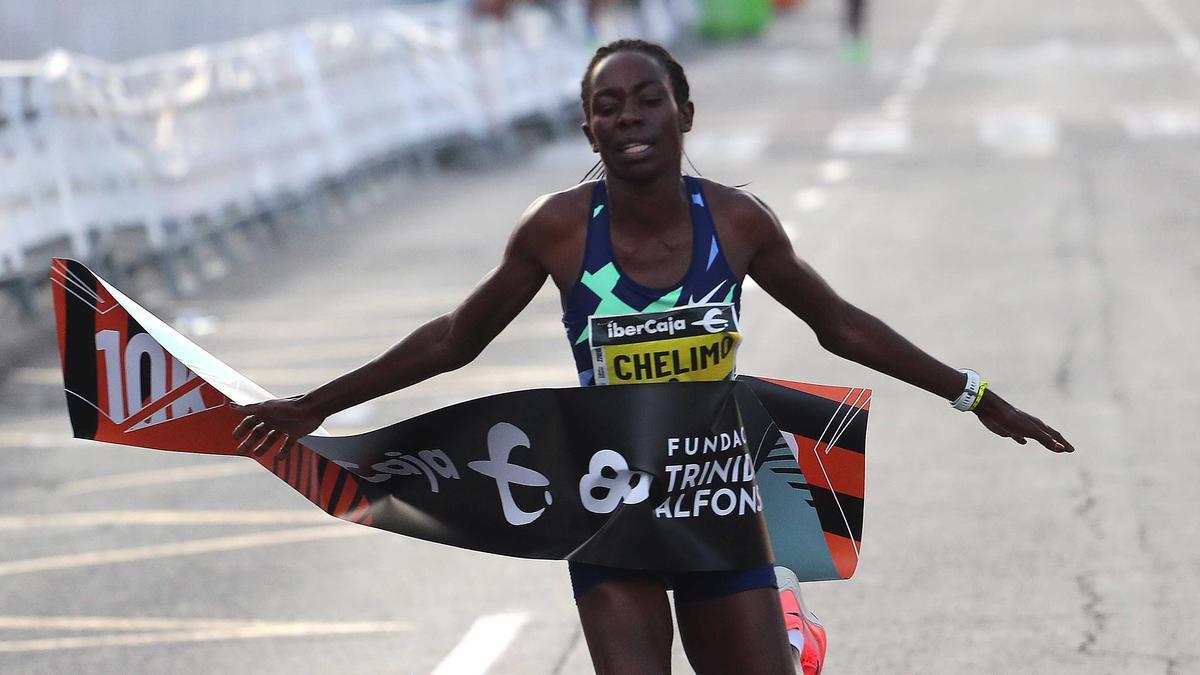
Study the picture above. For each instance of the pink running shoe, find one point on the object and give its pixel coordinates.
(804, 630)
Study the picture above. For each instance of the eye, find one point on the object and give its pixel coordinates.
(652, 100)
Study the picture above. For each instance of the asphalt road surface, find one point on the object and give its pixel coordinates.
(1009, 183)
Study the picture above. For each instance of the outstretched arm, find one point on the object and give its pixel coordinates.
(443, 344)
(851, 333)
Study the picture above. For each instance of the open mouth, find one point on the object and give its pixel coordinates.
(633, 149)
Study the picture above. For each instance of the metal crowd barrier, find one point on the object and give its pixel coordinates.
(179, 148)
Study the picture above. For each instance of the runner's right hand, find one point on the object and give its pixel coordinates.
(281, 420)
(1004, 419)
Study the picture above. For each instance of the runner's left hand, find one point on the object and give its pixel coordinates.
(278, 423)
(1003, 419)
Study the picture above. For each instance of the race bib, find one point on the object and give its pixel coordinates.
(696, 343)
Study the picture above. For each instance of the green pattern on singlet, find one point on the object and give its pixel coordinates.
(604, 282)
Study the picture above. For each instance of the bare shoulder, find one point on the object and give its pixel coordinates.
(553, 230)
(745, 224)
(737, 204)
(556, 214)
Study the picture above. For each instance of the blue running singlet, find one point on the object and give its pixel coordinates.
(624, 333)
(652, 335)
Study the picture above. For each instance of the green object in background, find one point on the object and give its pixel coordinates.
(856, 52)
(726, 19)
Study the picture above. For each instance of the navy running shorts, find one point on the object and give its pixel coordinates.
(688, 586)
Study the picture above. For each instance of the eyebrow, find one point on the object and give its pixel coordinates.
(612, 91)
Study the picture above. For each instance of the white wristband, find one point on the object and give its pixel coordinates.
(967, 399)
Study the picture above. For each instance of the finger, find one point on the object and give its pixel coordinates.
(266, 443)
(1041, 434)
(252, 438)
(1060, 447)
(280, 444)
(288, 444)
(1048, 441)
(1058, 439)
(1032, 428)
(1048, 437)
(251, 435)
(244, 427)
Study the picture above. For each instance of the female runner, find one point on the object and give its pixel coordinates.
(646, 237)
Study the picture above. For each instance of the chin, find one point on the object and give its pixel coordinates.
(637, 171)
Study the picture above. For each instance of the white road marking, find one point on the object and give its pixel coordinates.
(1185, 40)
(793, 67)
(34, 439)
(354, 303)
(337, 346)
(363, 340)
(1019, 132)
(120, 481)
(811, 199)
(923, 57)
(37, 521)
(869, 135)
(174, 630)
(196, 324)
(37, 376)
(86, 623)
(834, 170)
(182, 548)
(310, 348)
(913, 82)
(484, 642)
(473, 380)
(1057, 53)
(894, 107)
(741, 145)
(1162, 122)
(745, 145)
(259, 320)
(563, 154)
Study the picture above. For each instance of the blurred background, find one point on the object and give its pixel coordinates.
(296, 185)
(127, 29)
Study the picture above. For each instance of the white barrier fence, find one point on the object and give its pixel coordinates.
(168, 145)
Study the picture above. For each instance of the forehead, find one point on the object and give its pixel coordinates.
(627, 69)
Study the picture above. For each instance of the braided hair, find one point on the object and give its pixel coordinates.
(680, 91)
(679, 84)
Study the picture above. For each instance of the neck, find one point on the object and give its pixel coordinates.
(647, 205)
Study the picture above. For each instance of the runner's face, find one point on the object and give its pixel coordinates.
(633, 121)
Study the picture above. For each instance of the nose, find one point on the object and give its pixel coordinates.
(630, 115)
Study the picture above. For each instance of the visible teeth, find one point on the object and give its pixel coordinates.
(635, 148)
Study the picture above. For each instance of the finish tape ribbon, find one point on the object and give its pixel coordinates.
(669, 476)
